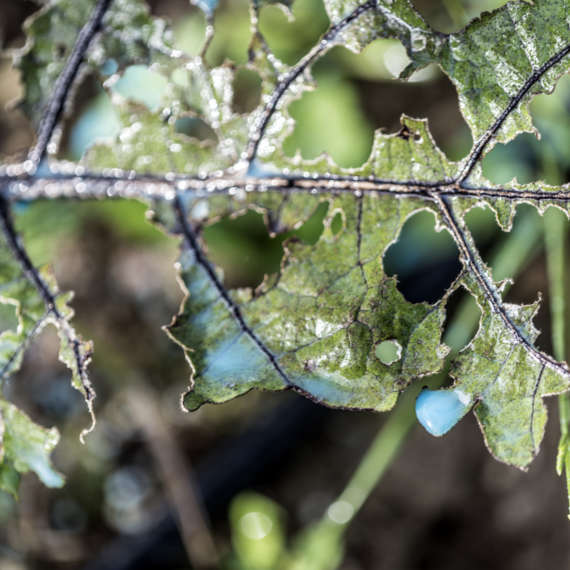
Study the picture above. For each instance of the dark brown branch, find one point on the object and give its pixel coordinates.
(124, 184)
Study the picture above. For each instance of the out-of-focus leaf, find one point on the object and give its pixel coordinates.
(25, 446)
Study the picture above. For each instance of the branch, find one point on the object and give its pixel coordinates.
(84, 185)
(81, 357)
(63, 85)
(177, 478)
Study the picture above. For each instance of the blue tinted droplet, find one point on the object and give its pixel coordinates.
(439, 410)
(109, 67)
(207, 6)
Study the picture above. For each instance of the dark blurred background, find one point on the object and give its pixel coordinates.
(443, 503)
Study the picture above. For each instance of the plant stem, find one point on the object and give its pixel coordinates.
(554, 240)
(378, 457)
(177, 477)
(555, 235)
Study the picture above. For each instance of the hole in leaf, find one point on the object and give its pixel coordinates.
(483, 226)
(141, 84)
(246, 252)
(452, 16)
(170, 9)
(187, 22)
(94, 117)
(517, 159)
(329, 119)
(504, 251)
(517, 255)
(290, 40)
(190, 32)
(388, 351)
(46, 394)
(425, 261)
(311, 230)
(195, 128)
(14, 15)
(243, 248)
(247, 91)
(98, 120)
(233, 33)
(60, 50)
(462, 319)
(382, 97)
(527, 158)
(336, 223)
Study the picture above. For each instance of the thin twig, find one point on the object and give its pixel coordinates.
(63, 85)
(82, 356)
(176, 475)
(479, 148)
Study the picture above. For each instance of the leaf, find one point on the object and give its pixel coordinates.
(25, 446)
(507, 385)
(319, 325)
(131, 35)
(336, 318)
(155, 143)
(521, 44)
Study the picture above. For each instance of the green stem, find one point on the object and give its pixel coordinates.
(377, 459)
(555, 234)
(555, 237)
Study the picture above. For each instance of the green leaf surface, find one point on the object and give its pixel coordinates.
(321, 325)
(130, 35)
(316, 325)
(26, 444)
(495, 56)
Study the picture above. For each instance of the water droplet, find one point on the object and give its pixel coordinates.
(439, 410)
